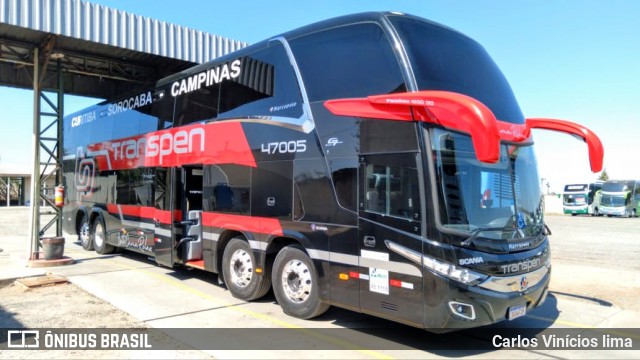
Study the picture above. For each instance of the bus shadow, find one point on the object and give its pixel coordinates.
(185, 273)
(588, 298)
(365, 332)
(371, 333)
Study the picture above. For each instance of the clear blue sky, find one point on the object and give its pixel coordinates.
(573, 60)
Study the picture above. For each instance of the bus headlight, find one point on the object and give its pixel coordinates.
(463, 275)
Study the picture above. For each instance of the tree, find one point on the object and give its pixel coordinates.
(603, 175)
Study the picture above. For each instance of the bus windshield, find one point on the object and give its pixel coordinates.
(446, 60)
(575, 199)
(617, 186)
(500, 201)
(613, 200)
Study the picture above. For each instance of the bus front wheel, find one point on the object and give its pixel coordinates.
(239, 270)
(295, 284)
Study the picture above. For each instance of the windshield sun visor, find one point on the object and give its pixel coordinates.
(451, 110)
(596, 150)
(461, 113)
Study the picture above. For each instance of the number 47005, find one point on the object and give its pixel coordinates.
(284, 147)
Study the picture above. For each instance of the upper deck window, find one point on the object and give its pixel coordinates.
(267, 86)
(259, 84)
(348, 61)
(443, 59)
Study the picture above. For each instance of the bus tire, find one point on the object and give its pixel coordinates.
(238, 269)
(295, 284)
(84, 233)
(99, 237)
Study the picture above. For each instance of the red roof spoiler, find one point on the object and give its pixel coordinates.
(596, 150)
(462, 113)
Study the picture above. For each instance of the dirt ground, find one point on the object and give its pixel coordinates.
(50, 307)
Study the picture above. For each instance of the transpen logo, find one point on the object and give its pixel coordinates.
(526, 265)
(154, 148)
(85, 172)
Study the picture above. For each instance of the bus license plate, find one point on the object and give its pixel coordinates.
(517, 311)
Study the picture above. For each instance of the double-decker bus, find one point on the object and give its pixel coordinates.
(582, 198)
(377, 162)
(620, 198)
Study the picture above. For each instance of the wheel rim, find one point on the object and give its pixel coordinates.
(98, 238)
(241, 267)
(296, 281)
(85, 233)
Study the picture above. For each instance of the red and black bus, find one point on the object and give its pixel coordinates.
(377, 162)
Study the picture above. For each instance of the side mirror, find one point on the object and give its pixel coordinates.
(596, 150)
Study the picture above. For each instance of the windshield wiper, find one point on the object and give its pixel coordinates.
(474, 234)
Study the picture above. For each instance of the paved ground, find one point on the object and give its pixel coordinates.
(589, 287)
(597, 258)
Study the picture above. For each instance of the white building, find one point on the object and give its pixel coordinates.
(15, 180)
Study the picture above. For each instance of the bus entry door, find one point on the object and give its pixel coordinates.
(189, 229)
(164, 215)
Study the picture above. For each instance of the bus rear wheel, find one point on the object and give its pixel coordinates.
(295, 284)
(238, 267)
(99, 237)
(84, 233)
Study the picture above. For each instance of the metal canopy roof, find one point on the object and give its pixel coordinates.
(106, 51)
(75, 47)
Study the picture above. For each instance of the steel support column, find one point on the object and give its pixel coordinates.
(47, 140)
(34, 218)
(59, 169)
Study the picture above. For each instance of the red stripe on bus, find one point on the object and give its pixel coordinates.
(145, 212)
(226, 221)
(243, 223)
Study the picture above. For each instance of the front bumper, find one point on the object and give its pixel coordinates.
(568, 210)
(488, 306)
(617, 211)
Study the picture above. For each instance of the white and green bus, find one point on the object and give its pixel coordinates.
(620, 198)
(582, 199)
